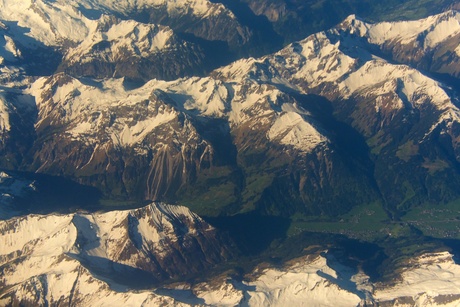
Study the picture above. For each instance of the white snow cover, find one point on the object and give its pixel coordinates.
(254, 102)
(223, 293)
(4, 114)
(292, 129)
(324, 60)
(431, 275)
(39, 252)
(49, 22)
(317, 51)
(11, 47)
(205, 95)
(8, 49)
(432, 30)
(431, 280)
(246, 101)
(199, 8)
(304, 283)
(244, 91)
(36, 250)
(397, 78)
(88, 108)
(52, 21)
(337, 69)
(43, 241)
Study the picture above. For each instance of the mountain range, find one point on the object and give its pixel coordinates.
(213, 106)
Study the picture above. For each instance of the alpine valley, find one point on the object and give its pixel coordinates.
(223, 153)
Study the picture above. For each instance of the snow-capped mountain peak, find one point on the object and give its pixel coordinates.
(428, 33)
(49, 23)
(114, 39)
(56, 244)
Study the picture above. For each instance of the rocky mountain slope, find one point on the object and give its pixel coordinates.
(204, 15)
(115, 48)
(430, 44)
(281, 134)
(308, 17)
(78, 259)
(395, 108)
(70, 258)
(43, 32)
(157, 141)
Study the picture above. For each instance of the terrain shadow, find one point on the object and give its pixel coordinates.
(120, 277)
(253, 233)
(52, 194)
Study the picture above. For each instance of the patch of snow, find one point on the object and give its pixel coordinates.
(413, 84)
(137, 133)
(457, 50)
(4, 115)
(224, 295)
(319, 60)
(236, 71)
(253, 101)
(443, 29)
(290, 128)
(46, 234)
(4, 176)
(11, 47)
(206, 95)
